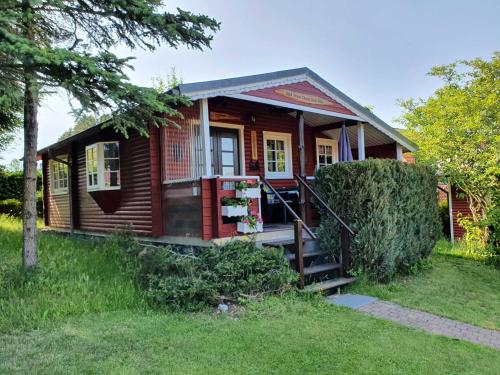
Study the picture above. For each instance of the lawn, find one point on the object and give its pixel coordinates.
(81, 313)
(454, 286)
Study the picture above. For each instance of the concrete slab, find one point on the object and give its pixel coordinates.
(353, 301)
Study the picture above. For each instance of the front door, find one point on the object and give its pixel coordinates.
(224, 145)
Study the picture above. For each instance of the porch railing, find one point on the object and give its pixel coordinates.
(345, 230)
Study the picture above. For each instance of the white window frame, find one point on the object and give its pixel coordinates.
(59, 190)
(327, 142)
(287, 138)
(99, 147)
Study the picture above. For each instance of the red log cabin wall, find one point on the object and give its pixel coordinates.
(459, 206)
(139, 186)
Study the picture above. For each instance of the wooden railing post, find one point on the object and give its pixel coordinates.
(345, 254)
(299, 252)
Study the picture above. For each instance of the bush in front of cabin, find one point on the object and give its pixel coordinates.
(391, 206)
(191, 279)
(14, 207)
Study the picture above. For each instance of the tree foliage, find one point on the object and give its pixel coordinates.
(46, 45)
(84, 122)
(457, 129)
(70, 48)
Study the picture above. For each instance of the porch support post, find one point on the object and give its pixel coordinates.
(205, 137)
(399, 152)
(302, 164)
(361, 141)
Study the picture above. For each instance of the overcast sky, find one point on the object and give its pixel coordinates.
(373, 51)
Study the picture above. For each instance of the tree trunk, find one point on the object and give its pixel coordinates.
(29, 162)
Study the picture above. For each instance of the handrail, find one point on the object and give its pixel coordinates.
(289, 209)
(306, 185)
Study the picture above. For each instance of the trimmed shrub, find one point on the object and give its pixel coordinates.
(12, 184)
(195, 278)
(392, 208)
(11, 207)
(14, 207)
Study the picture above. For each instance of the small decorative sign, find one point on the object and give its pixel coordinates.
(303, 98)
(219, 116)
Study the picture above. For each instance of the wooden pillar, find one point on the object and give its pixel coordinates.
(45, 182)
(73, 187)
(205, 137)
(361, 141)
(399, 152)
(299, 252)
(302, 164)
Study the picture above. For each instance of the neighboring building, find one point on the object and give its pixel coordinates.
(171, 184)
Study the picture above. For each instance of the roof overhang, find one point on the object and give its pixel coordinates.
(239, 88)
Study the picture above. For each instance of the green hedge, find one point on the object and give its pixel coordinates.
(12, 184)
(390, 205)
(14, 207)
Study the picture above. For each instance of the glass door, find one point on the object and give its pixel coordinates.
(224, 146)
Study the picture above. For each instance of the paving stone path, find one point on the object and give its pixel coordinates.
(432, 323)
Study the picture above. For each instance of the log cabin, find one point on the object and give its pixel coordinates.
(268, 132)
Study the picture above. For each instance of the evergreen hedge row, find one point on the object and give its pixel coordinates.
(391, 206)
(12, 184)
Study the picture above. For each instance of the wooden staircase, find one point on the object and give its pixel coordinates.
(321, 272)
(318, 270)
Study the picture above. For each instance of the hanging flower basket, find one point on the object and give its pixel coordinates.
(231, 211)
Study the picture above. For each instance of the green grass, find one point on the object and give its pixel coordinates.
(279, 336)
(80, 313)
(455, 286)
(74, 277)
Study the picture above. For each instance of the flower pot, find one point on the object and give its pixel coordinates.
(231, 211)
(245, 228)
(248, 193)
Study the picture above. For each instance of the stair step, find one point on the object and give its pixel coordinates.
(321, 268)
(329, 284)
(308, 254)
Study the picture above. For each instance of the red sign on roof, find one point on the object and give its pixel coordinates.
(301, 93)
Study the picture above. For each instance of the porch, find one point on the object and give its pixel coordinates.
(224, 141)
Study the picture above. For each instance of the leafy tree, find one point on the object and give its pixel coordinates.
(50, 44)
(15, 166)
(84, 122)
(457, 130)
(173, 80)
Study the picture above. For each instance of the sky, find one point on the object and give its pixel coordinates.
(374, 51)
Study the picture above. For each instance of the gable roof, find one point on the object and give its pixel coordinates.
(238, 86)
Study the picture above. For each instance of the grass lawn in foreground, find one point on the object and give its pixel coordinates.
(454, 287)
(81, 313)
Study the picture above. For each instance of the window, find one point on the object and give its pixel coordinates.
(326, 152)
(277, 155)
(59, 176)
(103, 166)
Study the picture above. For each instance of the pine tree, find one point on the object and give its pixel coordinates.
(47, 45)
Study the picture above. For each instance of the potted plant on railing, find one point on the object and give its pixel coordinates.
(247, 189)
(234, 207)
(250, 224)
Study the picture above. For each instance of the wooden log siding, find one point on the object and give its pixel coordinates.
(135, 208)
(459, 206)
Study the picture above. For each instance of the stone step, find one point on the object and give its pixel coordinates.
(320, 268)
(327, 285)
